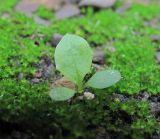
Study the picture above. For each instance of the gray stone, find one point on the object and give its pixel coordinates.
(158, 57)
(20, 76)
(155, 38)
(124, 7)
(41, 21)
(99, 56)
(56, 39)
(98, 3)
(49, 72)
(68, 10)
(35, 81)
(155, 107)
(72, 1)
(27, 7)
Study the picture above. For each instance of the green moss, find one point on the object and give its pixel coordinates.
(45, 13)
(134, 57)
(7, 5)
(18, 53)
(18, 50)
(137, 114)
(144, 12)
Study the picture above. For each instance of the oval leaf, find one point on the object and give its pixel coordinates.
(104, 79)
(73, 58)
(61, 94)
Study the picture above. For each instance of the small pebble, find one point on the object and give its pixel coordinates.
(56, 39)
(35, 81)
(20, 76)
(155, 107)
(98, 3)
(89, 95)
(41, 21)
(27, 7)
(158, 57)
(155, 38)
(99, 56)
(98, 67)
(67, 11)
(124, 7)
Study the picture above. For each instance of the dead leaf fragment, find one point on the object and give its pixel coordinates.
(64, 83)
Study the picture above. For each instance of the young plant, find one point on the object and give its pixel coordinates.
(73, 58)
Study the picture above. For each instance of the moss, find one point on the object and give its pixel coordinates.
(24, 42)
(138, 75)
(18, 52)
(7, 5)
(144, 12)
(45, 13)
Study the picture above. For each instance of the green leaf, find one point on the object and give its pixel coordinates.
(104, 79)
(73, 58)
(61, 93)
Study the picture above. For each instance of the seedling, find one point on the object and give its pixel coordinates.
(73, 58)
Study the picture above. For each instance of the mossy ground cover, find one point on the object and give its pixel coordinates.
(23, 43)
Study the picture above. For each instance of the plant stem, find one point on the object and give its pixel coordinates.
(80, 88)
